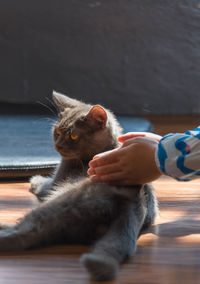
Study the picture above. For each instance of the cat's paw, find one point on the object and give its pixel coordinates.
(41, 187)
(101, 268)
(36, 182)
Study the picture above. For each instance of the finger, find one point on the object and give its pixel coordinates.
(130, 135)
(108, 178)
(105, 170)
(153, 136)
(108, 158)
(91, 171)
(105, 153)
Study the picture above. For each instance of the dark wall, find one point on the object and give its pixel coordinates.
(132, 56)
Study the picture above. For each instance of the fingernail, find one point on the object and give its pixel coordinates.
(96, 157)
(95, 178)
(91, 171)
(92, 164)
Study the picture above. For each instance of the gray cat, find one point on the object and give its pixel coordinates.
(75, 210)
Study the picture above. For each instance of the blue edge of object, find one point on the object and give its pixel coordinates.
(26, 147)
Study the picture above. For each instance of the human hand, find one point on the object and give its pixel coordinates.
(132, 163)
(130, 135)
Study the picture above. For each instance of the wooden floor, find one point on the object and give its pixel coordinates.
(167, 253)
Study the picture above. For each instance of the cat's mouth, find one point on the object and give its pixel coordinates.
(67, 155)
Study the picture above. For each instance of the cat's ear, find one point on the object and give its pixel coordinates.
(96, 117)
(63, 101)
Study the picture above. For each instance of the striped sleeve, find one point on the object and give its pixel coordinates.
(178, 155)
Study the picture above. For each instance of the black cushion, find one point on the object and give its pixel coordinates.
(26, 146)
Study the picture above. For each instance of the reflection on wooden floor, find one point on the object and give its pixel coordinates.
(169, 252)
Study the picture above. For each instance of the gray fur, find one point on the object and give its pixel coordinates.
(75, 210)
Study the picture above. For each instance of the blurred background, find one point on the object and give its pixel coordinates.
(134, 57)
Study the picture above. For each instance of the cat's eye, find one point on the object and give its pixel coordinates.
(73, 137)
(57, 132)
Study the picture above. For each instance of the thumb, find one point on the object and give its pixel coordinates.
(130, 135)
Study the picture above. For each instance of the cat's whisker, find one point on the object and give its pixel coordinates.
(53, 121)
(52, 103)
(48, 107)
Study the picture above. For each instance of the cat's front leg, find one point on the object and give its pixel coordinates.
(41, 186)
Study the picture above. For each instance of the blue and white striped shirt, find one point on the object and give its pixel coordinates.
(178, 155)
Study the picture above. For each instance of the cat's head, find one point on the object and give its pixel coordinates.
(83, 130)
